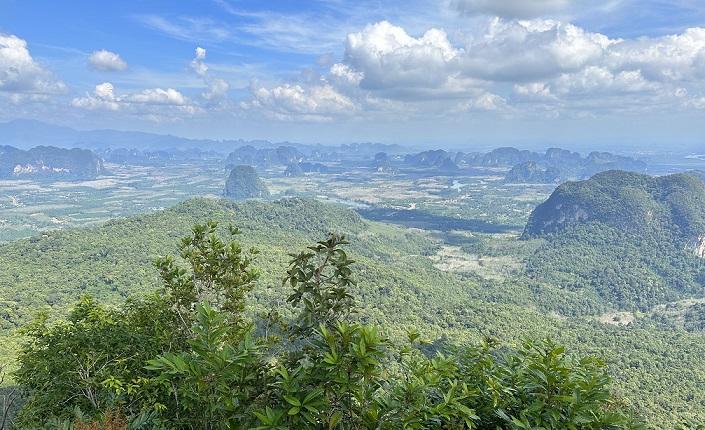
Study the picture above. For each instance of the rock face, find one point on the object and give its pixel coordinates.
(244, 183)
(628, 201)
(697, 244)
(50, 163)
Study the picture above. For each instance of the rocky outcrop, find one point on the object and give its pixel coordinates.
(697, 245)
(248, 154)
(51, 163)
(293, 170)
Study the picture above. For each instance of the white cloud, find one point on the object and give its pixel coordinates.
(521, 51)
(104, 98)
(345, 74)
(534, 91)
(510, 64)
(670, 58)
(384, 58)
(19, 73)
(157, 96)
(316, 103)
(106, 61)
(216, 88)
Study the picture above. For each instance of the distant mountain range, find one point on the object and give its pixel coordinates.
(25, 134)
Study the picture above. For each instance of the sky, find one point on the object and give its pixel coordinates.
(446, 73)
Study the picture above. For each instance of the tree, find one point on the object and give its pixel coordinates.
(84, 362)
(8, 396)
(218, 272)
(95, 360)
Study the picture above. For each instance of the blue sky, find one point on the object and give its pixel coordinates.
(450, 73)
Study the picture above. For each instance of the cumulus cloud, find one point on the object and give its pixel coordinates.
(509, 8)
(525, 51)
(389, 57)
(106, 61)
(104, 98)
(317, 103)
(523, 62)
(157, 96)
(19, 73)
(384, 58)
(672, 58)
(216, 88)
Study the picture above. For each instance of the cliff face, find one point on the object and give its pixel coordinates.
(697, 244)
(51, 163)
(628, 201)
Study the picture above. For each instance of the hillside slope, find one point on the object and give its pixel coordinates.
(398, 289)
(624, 241)
(626, 200)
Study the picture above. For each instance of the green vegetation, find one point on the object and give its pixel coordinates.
(400, 290)
(623, 241)
(628, 201)
(175, 359)
(243, 183)
(454, 269)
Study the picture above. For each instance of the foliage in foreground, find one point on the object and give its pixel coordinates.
(185, 357)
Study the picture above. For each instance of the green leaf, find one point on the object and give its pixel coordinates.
(292, 401)
(334, 419)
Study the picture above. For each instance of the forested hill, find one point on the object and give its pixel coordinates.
(629, 201)
(115, 260)
(622, 240)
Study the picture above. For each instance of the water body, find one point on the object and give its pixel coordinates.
(344, 202)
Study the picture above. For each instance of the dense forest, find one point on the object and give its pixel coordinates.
(243, 183)
(622, 240)
(102, 280)
(188, 357)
